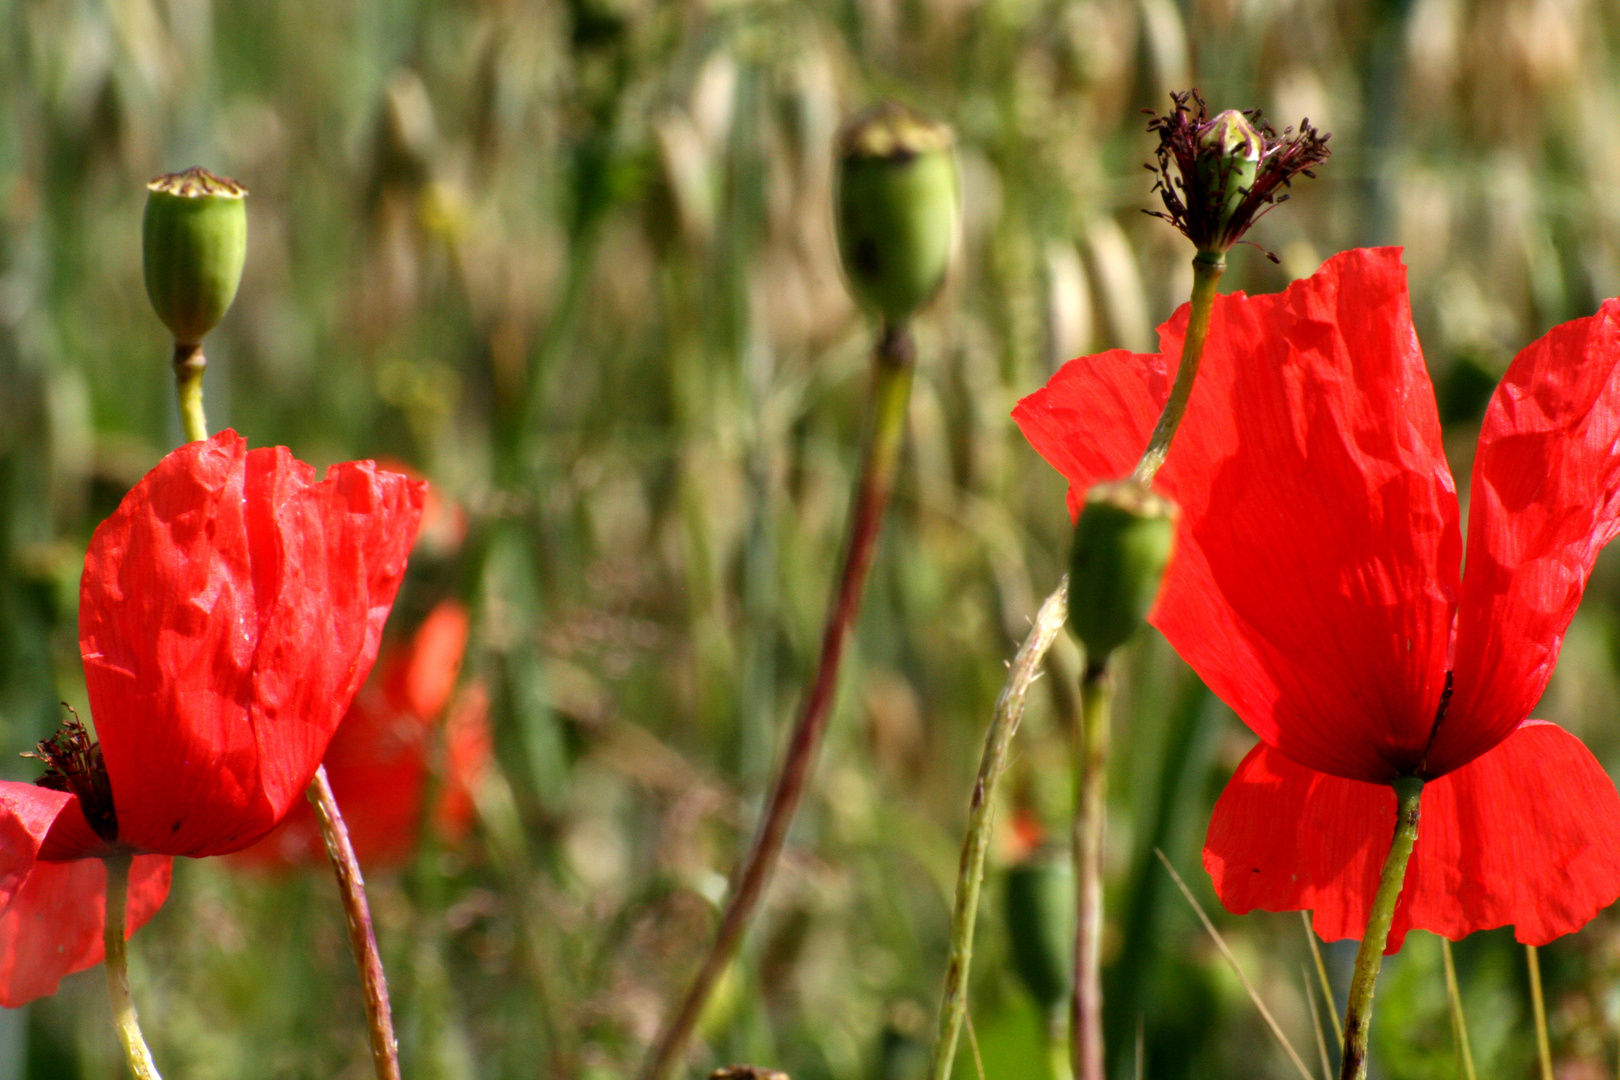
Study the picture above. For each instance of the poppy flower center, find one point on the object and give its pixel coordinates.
(73, 763)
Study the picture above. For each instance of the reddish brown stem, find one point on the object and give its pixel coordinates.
(1090, 812)
(362, 939)
(891, 390)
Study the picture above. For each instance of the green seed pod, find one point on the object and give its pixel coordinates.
(1121, 545)
(1040, 927)
(193, 241)
(1229, 157)
(898, 208)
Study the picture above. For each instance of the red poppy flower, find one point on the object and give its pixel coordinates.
(1316, 589)
(230, 608)
(378, 760)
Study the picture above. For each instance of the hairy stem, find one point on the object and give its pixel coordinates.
(1358, 1013)
(117, 961)
(362, 939)
(1026, 666)
(189, 365)
(1207, 270)
(891, 391)
(1090, 811)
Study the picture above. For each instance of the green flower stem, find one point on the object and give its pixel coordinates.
(189, 364)
(1358, 1013)
(891, 391)
(1207, 269)
(1538, 1007)
(998, 739)
(1459, 1026)
(362, 938)
(1090, 814)
(117, 961)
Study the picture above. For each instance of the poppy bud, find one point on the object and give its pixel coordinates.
(1040, 927)
(897, 208)
(1121, 545)
(193, 240)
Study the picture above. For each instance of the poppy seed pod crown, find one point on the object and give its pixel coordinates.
(1230, 169)
(1122, 543)
(193, 244)
(898, 204)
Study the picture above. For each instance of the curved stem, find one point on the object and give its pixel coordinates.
(891, 391)
(123, 1006)
(1358, 1013)
(189, 365)
(1207, 270)
(1090, 814)
(362, 939)
(1026, 667)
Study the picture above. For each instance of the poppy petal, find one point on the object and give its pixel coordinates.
(469, 750)
(27, 812)
(1545, 499)
(1527, 834)
(419, 680)
(1092, 420)
(1315, 570)
(54, 922)
(229, 610)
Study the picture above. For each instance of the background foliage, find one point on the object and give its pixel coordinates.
(574, 260)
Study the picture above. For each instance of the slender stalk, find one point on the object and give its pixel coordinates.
(1207, 270)
(1237, 969)
(1358, 1012)
(123, 1006)
(1459, 1027)
(998, 739)
(1538, 1005)
(1316, 1023)
(189, 365)
(891, 391)
(362, 939)
(1321, 974)
(1090, 761)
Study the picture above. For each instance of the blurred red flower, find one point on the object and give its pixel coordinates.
(230, 609)
(378, 762)
(1316, 589)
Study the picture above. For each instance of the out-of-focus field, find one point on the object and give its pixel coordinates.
(575, 262)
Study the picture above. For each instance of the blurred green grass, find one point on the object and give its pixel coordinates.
(575, 262)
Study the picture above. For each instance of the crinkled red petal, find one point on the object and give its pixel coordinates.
(1528, 835)
(229, 610)
(1315, 572)
(1545, 499)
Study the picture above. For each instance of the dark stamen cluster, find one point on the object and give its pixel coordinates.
(73, 763)
(1203, 201)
